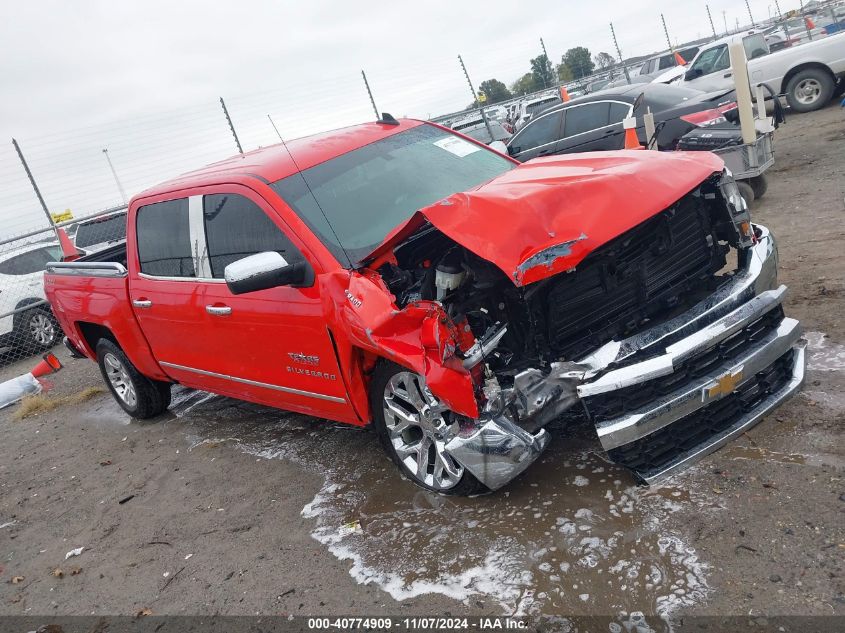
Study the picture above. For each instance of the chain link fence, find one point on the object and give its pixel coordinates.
(80, 180)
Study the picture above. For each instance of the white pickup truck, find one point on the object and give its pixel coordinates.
(806, 74)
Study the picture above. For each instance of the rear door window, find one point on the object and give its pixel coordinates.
(236, 227)
(585, 118)
(164, 239)
(618, 112)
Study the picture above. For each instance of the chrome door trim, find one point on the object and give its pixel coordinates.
(194, 279)
(87, 269)
(255, 383)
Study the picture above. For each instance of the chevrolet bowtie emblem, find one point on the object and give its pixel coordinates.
(723, 385)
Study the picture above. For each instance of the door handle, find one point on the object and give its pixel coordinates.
(142, 303)
(218, 310)
(728, 75)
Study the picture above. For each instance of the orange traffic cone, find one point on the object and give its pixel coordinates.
(69, 251)
(48, 365)
(680, 61)
(809, 22)
(564, 95)
(631, 139)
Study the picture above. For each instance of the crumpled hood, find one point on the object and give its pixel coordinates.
(547, 215)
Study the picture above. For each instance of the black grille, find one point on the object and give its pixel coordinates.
(649, 269)
(612, 405)
(650, 455)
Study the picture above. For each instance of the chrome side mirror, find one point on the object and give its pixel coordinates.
(265, 270)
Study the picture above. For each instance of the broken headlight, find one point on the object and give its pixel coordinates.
(737, 208)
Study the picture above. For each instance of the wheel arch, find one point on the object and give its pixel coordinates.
(91, 333)
(805, 66)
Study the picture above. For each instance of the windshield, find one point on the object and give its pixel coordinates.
(361, 196)
(100, 231)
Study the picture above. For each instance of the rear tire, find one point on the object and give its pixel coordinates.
(759, 185)
(746, 191)
(139, 396)
(809, 90)
(413, 428)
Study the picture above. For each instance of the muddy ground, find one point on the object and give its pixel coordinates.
(226, 507)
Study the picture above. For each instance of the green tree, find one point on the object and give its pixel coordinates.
(495, 90)
(604, 60)
(564, 73)
(543, 72)
(524, 85)
(578, 61)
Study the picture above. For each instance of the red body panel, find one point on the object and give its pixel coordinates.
(544, 217)
(348, 319)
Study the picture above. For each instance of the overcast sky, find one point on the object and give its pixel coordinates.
(143, 78)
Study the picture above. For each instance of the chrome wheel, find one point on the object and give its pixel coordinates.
(42, 330)
(120, 380)
(808, 91)
(419, 428)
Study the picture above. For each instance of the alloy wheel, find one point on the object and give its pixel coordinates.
(808, 91)
(419, 427)
(42, 329)
(120, 380)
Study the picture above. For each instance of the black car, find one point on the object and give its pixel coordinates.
(594, 122)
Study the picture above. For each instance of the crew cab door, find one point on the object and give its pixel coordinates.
(272, 345)
(269, 346)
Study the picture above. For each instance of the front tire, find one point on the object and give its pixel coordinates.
(139, 396)
(414, 427)
(809, 90)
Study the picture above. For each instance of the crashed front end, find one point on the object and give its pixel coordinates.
(666, 346)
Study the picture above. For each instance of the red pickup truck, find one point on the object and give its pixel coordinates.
(401, 275)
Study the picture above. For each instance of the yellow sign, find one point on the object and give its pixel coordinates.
(64, 216)
(724, 384)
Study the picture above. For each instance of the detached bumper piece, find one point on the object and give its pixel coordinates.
(497, 450)
(672, 394)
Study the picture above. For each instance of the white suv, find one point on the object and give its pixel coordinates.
(25, 317)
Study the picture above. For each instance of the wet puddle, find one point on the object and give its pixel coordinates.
(573, 535)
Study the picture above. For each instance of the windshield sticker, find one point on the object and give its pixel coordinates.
(457, 146)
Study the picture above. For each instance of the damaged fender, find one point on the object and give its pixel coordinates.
(420, 336)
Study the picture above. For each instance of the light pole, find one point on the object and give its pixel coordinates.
(114, 173)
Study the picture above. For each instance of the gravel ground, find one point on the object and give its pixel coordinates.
(222, 507)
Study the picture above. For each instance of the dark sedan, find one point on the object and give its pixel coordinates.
(594, 122)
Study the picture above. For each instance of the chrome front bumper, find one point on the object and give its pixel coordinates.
(674, 346)
(498, 448)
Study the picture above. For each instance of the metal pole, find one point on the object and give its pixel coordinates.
(666, 31)
(803, 17)
(725, 18)
(275, 128)
(231, 126)
(35, 187)
(475, 99)
(114, 173)
(783, 22)
(750, 17)
(712, 26)
(370, 92)
(543, 46)
(619, 53)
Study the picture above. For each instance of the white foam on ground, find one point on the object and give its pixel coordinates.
(523, 556)
(824, 355)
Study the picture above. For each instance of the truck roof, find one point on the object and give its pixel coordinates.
(274, 162)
